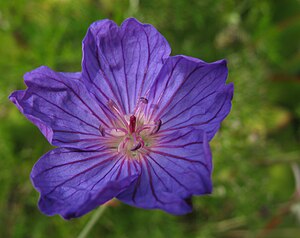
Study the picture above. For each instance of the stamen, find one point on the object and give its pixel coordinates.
(140, 106)
(122, 145)
(112, 131)
(144, 100)
(136, 147)
(102, 130)
(156, 127)
(113, 106)
(117, 132)
(115, 109)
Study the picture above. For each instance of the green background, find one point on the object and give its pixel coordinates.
(256, 153)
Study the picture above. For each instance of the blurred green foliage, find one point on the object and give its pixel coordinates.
(256, 153)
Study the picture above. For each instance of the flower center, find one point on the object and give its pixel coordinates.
(130, 135)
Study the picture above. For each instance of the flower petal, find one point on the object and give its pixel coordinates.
(189, 92)
(178, 167)
(120, 63)
(61, 107)
(72, 183)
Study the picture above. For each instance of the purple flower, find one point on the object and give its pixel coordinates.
(135, 124)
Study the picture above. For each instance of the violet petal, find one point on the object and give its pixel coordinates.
(120, 63)
(71, 183)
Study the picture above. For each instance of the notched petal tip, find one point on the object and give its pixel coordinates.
(230, 89)
(96, 26)
(222, 62)
(207, 156)
(133, 21)
(36, 73)
(180, 207)
(15, 96)
(190, 59)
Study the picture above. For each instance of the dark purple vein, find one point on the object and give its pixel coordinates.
(109, 171)
(196, 124)
(177, 157)
(65, 111)
(147, 66)
(78, 174)
(84, 103)
(72, 162)
(151, 182)
(126, 78)
(173, 177)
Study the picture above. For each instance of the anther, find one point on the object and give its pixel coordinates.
(102, 130)
(144, 100)
(140, 106)
(136, 147)
(157, 125)
(116, 111)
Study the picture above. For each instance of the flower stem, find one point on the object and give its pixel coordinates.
(88, 227)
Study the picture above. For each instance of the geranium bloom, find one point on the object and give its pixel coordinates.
(135, 124)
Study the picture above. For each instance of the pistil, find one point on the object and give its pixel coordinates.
(132, 124)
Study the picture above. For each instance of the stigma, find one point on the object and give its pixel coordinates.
(132, 124)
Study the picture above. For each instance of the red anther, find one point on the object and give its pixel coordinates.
(132, 124)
